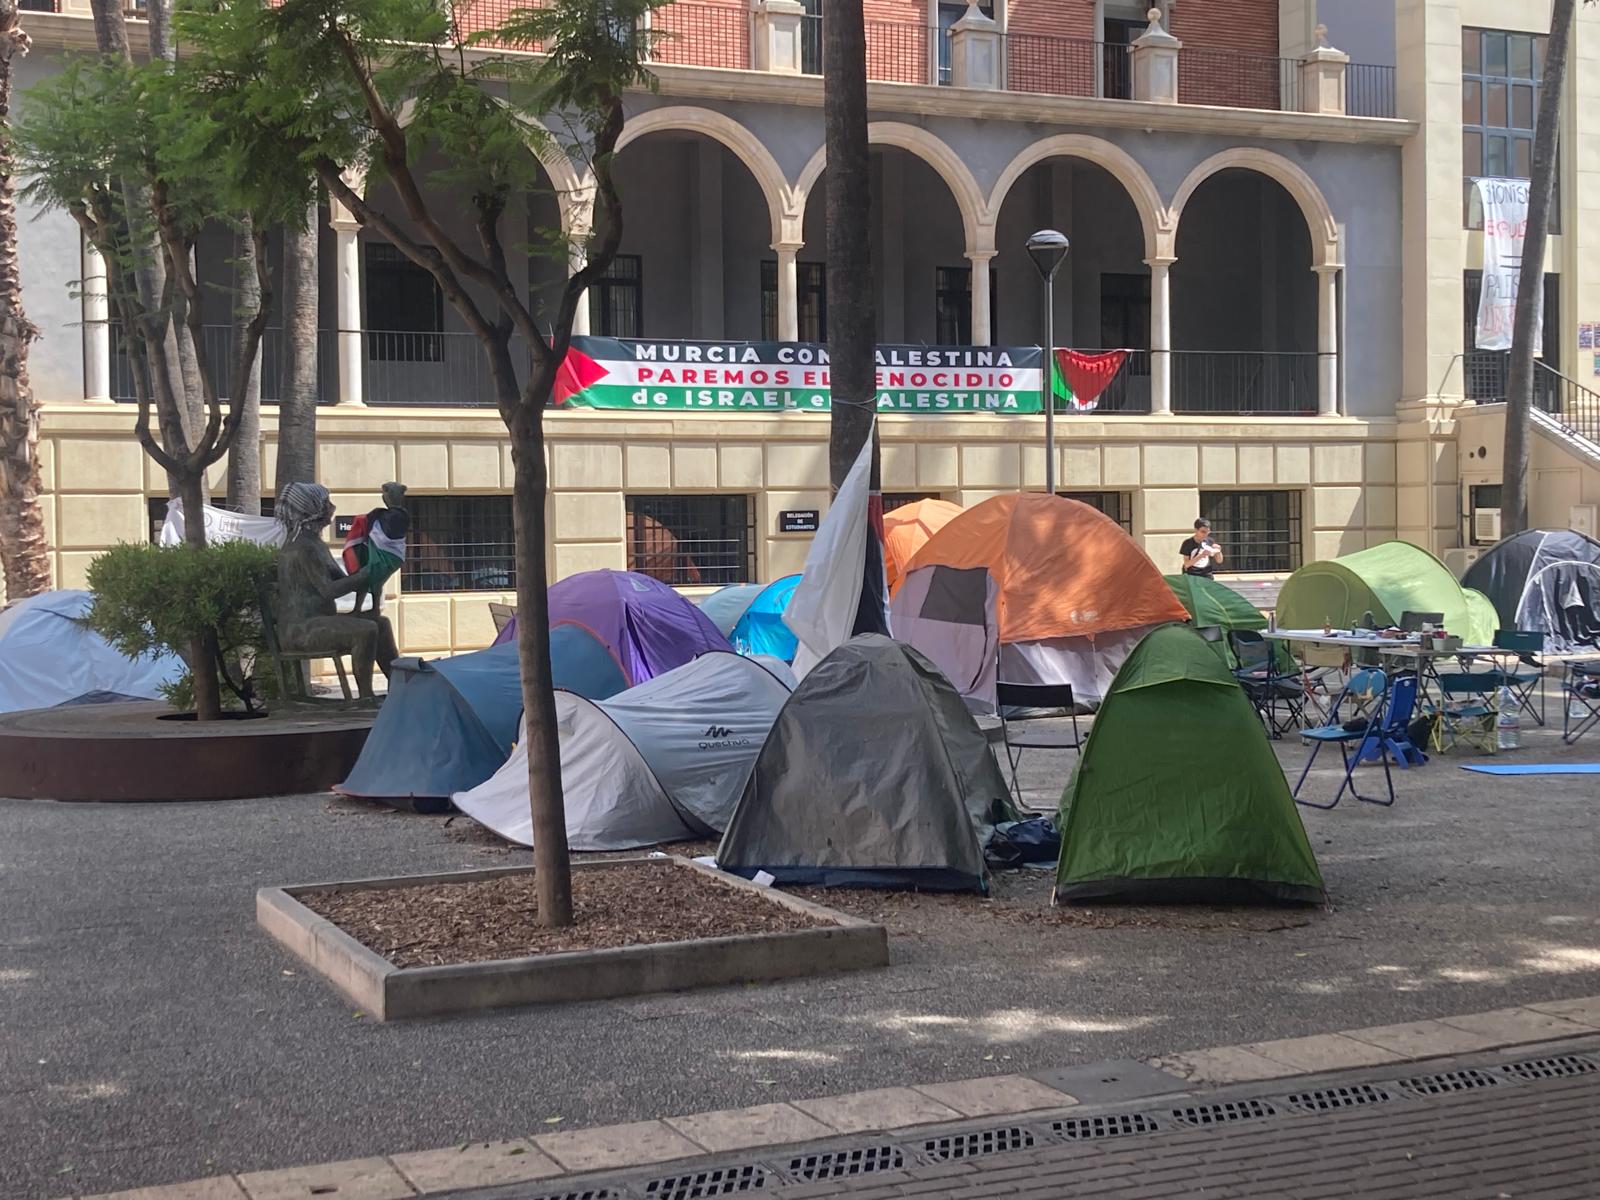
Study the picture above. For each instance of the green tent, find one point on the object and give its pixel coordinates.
(1386, 580)
(1179, 795)
(1213, 603)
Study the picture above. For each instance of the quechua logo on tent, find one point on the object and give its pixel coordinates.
(719, 737)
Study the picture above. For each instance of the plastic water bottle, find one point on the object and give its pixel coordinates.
(1508, 722)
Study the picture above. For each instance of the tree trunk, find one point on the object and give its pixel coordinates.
(1530, 284)
(111, 29)
(24, 555)
(552, 868)
(244, 459)
(202, 654)
(297, 393)
(159, 15)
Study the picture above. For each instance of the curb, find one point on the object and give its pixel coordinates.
(551, 1155)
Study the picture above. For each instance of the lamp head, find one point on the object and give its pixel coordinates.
(1048, 249)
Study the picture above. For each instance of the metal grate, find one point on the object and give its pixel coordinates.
(1446, 1082)
(690, 540)
(1223, 1112)
(602, 1193)
(1080, 1129)
(720, 1181)
(835, 1164)
(973, 1145)
(1328, 1099)
(1555, 1067)
(460, 544)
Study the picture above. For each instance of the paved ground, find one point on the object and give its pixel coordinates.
(151, 1034)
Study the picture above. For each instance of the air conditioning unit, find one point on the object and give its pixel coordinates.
(1460, 558)
(1486, 525)
(1583, 520)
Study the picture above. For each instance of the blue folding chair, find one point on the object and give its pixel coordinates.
(1397, 697)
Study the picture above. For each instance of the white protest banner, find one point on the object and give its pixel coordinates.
(1505, 226)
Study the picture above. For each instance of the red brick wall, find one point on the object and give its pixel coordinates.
(1230, 53)
(1249, 26)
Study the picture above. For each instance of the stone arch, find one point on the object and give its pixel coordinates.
(1313, 204)
(1153, 217)
(932, 150)
(740, 141)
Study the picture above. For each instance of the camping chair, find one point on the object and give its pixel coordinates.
(1466, 709)
(1046, 696)
(287, 664)
(1526, 679)
(1264, 684)
(1580, 695)
(1398, 697)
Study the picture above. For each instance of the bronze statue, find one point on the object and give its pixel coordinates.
(377, 542)
(309, 583)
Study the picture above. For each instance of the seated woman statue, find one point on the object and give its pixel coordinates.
(310, 581)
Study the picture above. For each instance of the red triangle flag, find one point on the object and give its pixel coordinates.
(577, 373)
(1089, 374)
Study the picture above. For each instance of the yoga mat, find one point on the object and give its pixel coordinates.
(1535, 769)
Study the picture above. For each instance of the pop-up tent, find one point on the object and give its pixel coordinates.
(647, 627)
(1076, 592)
(1179, 796)
(950, 615)
(1213, 604)
(874, 775)
(1386, 580)
(907, 529)
(48, 658)
(448, 723)
(1543, 581)
(750, 616)
(661, 762)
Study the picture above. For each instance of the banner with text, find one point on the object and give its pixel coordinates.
(1505, 226)
(650, 376)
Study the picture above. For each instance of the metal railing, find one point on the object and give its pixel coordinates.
(1129, 391)
(1575, 406)
(1234, 79)
(701, 35)
(1369, 90)
(1062, 66)
(433, 370)
(219, 345)
(901, 53)
(1486, 373)
(1244, 381)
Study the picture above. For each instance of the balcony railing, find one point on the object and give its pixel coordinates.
(219, 346)
(1244, 381)
(1234, 79)
(1486, 373)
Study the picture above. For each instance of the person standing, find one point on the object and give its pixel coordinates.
(1200, 554)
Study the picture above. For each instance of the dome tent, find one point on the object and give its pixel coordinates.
(750, 616)
(661, 762)
(874, 775)
(448, 723)
(907, 529)
(1386, 580)
(48, 657)
(1543, 581)
(1215, 604)
(1143, 818)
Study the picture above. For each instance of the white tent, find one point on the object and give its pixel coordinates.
(48, 658)
(664, 761)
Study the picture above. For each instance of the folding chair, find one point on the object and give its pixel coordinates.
(1264, 684)
(1527, 678)
(291, 666)
(1580, 690)
(1034, 696)
(1398, 696)
(1466, 710)
(1394, 733)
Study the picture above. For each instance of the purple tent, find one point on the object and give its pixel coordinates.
(647, 627)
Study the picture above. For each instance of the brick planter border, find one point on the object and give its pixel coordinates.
(389, 993)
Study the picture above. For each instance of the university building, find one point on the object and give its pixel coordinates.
(1270, 205)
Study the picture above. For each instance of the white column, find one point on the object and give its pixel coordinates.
(347, 293)
(788, 292)
(577, 257)
(982, 303)
(1327, 341)
(1160, 335)
(96, 328)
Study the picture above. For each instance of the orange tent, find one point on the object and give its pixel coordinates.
(1064, 569)
(907, 529)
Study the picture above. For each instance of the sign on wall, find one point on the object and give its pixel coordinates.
(1505, 226)
(649, 376)
(799, 520)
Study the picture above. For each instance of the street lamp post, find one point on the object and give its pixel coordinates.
(1049, 250)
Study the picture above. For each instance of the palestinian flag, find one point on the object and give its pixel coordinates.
(377, 540)
(1079, 378)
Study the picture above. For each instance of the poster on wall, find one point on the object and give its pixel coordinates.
(1505, 226)
(639, 375)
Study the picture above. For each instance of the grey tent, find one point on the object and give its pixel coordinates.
(874, 775)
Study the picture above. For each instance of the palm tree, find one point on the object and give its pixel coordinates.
(297, 390)
(24, 556)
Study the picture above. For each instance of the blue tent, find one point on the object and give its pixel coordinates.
(447, 725)
(750, 616)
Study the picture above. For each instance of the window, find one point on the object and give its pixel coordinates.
(690, 540)
(459, 544)
(894, 500)
(1501, 77)
(1125, 315)
(405, 308)
(156, 511)
(953, 306)
(1116, 65)
(1116, 505)
(811, 38)
(1487, 371)
(1258, 531)
(811, 294)
(616, 299)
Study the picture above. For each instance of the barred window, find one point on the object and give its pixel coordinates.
(1258, 531)
(690, 540)
(616, 299)
(405, 308)
(811, 297)
(459, 544)
(1116, 505)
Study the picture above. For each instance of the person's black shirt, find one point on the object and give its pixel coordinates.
(1189, 547)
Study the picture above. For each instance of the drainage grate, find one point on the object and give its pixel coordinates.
(1328, 1099)
(834, 1164)
(1224, 1112)
(586, 1194)
(1554, 1067)
(972, 1145)
(720, 1181)
(1446, 1082)
(1121, 1125)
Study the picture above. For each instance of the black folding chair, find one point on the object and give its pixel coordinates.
(1580, 700)
(1265, 685)
(1526, 679)
(1031, 697)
